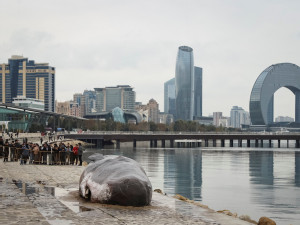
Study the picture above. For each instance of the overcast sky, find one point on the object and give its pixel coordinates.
(107, 43)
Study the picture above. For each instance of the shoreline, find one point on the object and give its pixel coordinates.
(64, 180)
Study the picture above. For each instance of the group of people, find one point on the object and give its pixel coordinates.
(51, 154)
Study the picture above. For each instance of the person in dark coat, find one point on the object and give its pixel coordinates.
(80, 153)
(1, 146)
(6, 151)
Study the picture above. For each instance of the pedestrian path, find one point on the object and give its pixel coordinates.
(28, 195)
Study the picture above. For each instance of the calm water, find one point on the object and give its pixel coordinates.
(256, 182)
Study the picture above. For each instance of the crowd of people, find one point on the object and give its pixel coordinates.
(48, 154)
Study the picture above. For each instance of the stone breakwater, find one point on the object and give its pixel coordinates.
(41, 194)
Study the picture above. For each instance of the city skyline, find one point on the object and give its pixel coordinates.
(96, 44)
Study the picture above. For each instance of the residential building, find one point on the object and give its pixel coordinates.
(23, 77)
(153, 111)
(239, 117)
(63, 107)
(75, 109)
(69, 108)
(217, 116)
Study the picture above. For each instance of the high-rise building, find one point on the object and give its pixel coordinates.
(239, 117)
(80, 100)
(89, 101)
(188, 86)
(198, 91)
(153, 111)
(169, 97)
(184, 82)
(23, 77)
(121, 96)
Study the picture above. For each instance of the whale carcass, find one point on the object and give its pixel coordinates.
(117, 180)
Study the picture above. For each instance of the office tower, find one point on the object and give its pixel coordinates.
(121, 96)
(239, 117)
(23, 77)
(198, 92)
(169, 97)
(276, 76)
(184, 82)
(79, 99)
(89, 101)
(153, 111)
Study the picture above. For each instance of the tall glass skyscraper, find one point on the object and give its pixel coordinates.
(184, 82)
(169, 97)
(198, 92)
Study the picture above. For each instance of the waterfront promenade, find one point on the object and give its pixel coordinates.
(41, 194)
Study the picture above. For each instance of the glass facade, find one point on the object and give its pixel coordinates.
(184, 82)
(198, 92)
(169, 97)
(269, 81)
(121, 96)
(118, 115)
(23, 77)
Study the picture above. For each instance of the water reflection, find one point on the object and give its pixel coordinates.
(297, 169)
(261, 167)
(188, 167)
(253, 181)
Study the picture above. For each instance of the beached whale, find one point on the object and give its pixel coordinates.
(117, 180)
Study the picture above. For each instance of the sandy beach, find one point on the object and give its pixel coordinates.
(42, 194)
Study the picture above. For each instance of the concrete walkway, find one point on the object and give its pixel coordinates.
(40, 194)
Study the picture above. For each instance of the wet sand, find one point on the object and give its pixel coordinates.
(42, 194)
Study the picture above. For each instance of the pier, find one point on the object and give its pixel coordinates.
(185, 139)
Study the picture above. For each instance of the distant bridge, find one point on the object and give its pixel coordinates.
(184, 139)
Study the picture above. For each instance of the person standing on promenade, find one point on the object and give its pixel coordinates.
(25, 154)
(50, 154)
(12, 151)
(80, 153)
(31, 155)
(71, 155)
(36, 153)
(18, 150)
(44, 150)
(68, 151)
(1, 145)
(62, 151)
(55, 154)
(6, 151)
(75, 151)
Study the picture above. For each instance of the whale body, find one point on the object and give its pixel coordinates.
(117, 180)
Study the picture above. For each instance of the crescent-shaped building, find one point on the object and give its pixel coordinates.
(269, 81)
